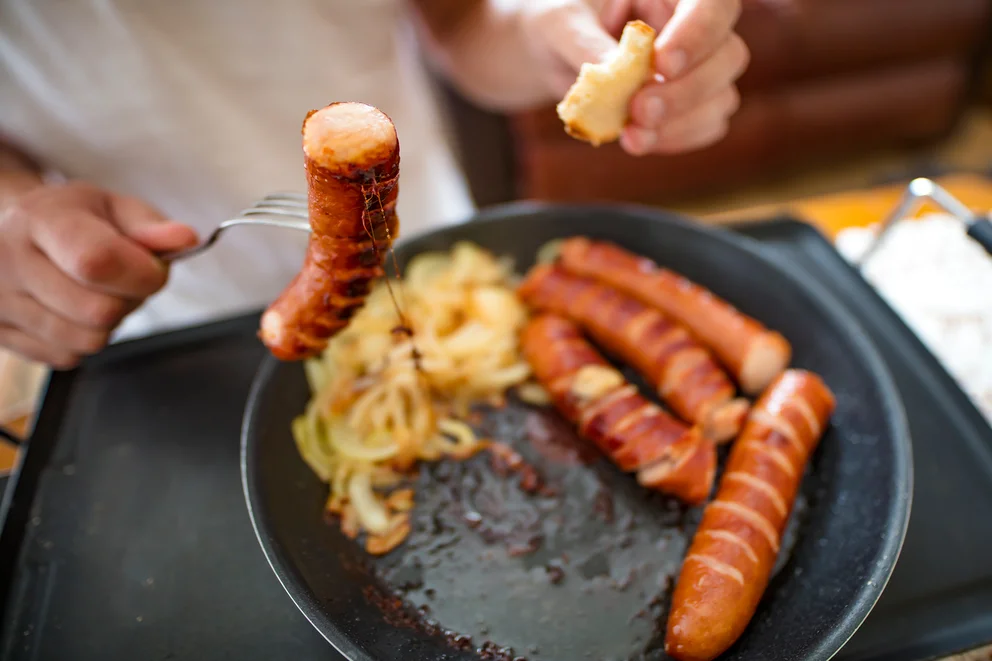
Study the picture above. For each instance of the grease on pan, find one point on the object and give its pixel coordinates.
(514, 519)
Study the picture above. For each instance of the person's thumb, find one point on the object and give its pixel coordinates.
(149, 228)
(572, 30)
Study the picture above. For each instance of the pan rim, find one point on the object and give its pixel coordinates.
(897, 522)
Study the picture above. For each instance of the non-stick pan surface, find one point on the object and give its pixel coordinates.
(583, 572)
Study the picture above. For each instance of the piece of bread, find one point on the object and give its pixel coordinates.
(596, 107)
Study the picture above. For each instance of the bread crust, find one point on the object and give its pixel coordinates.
(597, 106)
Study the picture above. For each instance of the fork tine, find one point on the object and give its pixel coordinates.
(292, 212)
(295, 198)
(286, 204)
(266, 211)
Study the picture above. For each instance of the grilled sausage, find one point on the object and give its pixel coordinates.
(683, 372)
(634, 433)
(352, 160)
(754, 354)
(730, 560)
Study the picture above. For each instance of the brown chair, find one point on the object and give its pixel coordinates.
(828, 78)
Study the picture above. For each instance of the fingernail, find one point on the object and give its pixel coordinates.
(673, 63)
(654, 110)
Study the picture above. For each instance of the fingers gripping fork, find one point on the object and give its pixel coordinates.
(919, 191)
(288, 210)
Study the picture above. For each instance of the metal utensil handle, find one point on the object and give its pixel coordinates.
(919, 191)
(289, 221)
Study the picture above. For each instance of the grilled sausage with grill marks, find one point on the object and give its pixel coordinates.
(733, 552)
(754, 354)
(683, 372)
(634, 433)
(352, 158)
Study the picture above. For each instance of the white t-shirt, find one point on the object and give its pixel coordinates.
(196, 107)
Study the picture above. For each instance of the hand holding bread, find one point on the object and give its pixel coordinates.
(666, 86)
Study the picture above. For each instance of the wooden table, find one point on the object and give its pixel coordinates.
(859, 208)
(830, 214)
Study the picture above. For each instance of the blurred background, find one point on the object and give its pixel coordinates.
(839, 94)
(844, 102)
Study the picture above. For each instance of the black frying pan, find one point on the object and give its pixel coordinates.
(585, 573)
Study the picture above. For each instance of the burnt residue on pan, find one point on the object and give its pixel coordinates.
(540, 549)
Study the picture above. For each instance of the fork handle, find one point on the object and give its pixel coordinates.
(981, 231)
(266, 216)
(176, 255)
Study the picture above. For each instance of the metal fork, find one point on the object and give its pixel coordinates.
(917, 193)
(287, 210)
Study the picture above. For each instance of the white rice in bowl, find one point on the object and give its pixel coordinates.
(940, 282)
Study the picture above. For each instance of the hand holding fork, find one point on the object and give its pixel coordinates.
(75, 260)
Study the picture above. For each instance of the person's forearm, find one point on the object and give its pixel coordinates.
(17, 174)
(485, 53)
